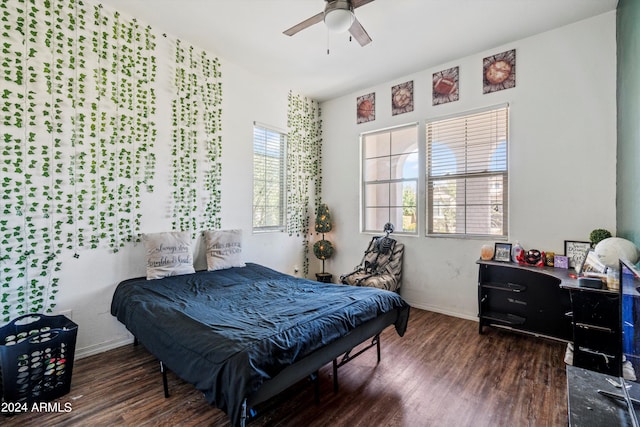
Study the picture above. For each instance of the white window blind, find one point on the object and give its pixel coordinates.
(467, 174)
(390, 179)
(269, 153)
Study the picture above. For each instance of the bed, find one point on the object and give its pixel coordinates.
(242, 335)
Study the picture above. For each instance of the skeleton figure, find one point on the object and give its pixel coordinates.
(379, 246)
(380, 266)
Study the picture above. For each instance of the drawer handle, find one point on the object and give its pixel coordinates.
(594, 327)
(597, 353)
(514, 287)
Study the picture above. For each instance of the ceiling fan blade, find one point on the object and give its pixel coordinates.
(359, 33)
(357, 3)
(304, 24)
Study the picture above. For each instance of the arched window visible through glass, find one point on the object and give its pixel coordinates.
(390, 179)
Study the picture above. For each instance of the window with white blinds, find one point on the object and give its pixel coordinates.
(269, 154)
(467, 174)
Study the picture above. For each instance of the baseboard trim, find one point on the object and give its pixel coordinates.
(102, 347)
(440, 310)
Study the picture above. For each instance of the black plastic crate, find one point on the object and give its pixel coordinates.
(36, 358)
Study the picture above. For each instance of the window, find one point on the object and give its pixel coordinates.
(269, 153)
(390, 179)
(467, 174)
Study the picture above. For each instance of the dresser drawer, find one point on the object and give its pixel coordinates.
(523, 299)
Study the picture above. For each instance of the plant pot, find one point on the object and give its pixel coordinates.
(324, 277)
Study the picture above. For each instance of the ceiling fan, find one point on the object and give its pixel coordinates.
(338, 16)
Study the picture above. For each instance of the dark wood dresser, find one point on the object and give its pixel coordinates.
(525, 299)
(548, 302)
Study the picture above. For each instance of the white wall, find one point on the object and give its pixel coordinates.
(87, 283)
(562, 157)
(562, 134)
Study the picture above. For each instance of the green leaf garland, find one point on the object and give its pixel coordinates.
(196, 118)
(78, 106)
(304, 167)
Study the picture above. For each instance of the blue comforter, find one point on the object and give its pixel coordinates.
(228, 331)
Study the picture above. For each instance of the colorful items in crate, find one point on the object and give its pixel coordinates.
(38, 370)
(36, 358)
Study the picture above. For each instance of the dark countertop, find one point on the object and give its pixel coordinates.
(587, 407)
(562, 274)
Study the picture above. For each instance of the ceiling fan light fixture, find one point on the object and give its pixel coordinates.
(339, 20)
(339, 17)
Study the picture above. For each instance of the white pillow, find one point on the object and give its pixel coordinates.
(168, 254)
(223, 249)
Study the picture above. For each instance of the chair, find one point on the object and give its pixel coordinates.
(381, 266)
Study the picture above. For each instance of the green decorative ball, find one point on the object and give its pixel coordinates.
(323, 249)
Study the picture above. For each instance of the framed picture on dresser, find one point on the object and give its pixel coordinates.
(502, 252)
(576, 251)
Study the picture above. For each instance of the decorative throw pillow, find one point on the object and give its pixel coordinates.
(223, 249)
(168, 254)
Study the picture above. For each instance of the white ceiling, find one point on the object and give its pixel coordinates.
(408, 35)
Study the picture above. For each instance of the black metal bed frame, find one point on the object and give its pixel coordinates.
(308, 367)
(347, 357)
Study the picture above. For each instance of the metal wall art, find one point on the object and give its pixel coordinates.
(366, 110)
(499, 71)
(402, 98)
(445, 86)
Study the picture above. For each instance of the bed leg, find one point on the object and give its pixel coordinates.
(347, 357)
(315, 377)
(165, 384)
(135, 341)
(243, 414)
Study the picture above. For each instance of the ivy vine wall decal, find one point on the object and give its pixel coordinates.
(78, 98)
(196, 117)
(115, 159)
(304, 167)
(78, 133)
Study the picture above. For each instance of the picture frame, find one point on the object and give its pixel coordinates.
(444, 86)
(561, 261)
(402, 98)
(591, 265)
(499, 71)
(576, 251)
(366, 108)
(502, 252)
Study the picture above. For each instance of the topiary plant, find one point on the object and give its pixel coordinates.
(597, 235)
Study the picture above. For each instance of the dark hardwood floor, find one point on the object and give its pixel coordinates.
(441, 373)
